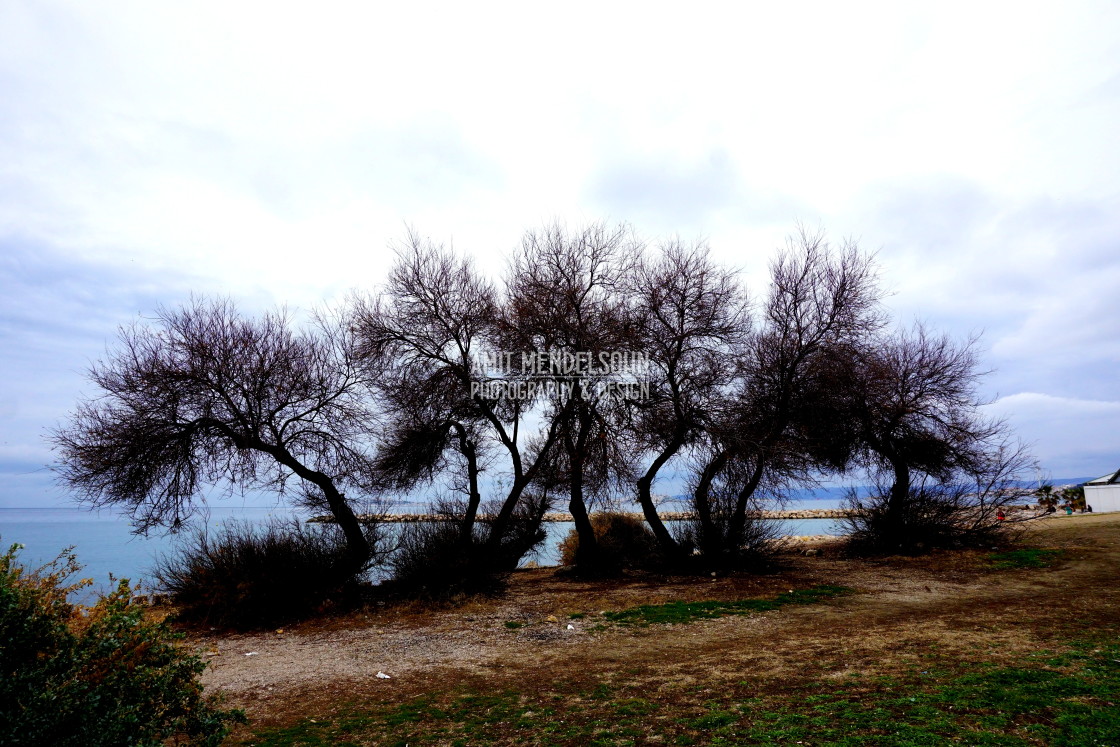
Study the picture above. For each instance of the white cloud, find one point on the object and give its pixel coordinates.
(272, 152)
(1076, 437)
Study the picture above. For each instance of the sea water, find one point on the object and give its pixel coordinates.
(105, 543)
(108, 548)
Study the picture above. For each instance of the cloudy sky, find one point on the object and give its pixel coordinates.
(273, 151)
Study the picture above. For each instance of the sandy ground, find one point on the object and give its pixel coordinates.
(903, 606)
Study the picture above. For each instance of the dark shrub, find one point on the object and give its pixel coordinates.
(105, 676)
(244, 575)
(523, 536)
(434, 561)
(624, 541)
(711, 545)
(929, 517)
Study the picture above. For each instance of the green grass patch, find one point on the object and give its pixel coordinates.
(1030, 557)
(514, 624)
(1077, 703)
(687, 612)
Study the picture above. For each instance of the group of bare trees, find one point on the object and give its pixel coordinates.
(592, 368)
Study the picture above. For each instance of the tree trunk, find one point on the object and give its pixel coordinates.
(711, 541)
(587, 555)
(474, 498)
(499, 526)
(739, 518)
(356, 542)
(897, 502)
(665, 540)
(521, 479)
(358, 549)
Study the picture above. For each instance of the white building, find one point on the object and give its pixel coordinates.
(1103, 494)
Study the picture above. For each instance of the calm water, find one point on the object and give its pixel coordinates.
(104, 542)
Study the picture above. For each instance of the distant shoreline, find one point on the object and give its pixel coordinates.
(560, 518)
(555, 517)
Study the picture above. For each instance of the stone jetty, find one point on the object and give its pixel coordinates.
(808, 513)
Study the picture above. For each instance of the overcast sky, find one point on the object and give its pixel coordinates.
(273, 151)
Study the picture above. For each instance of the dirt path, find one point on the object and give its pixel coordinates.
(951, 601)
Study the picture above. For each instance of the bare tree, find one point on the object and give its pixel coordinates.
(947, 467)
(206, 396)
(693, 322)
(420, 338)
(819, 299)
(424, 335)
(920, 410)
(565, 295)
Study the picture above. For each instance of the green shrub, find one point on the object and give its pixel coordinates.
(259, 575)
(102, 675)
(624, 541)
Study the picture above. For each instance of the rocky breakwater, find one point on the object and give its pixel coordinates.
(807, 513)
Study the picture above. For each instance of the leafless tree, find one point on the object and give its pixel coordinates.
(423, 335)
(693, 320)
(565, 294)
(819, 298)
(946, 466)
(420, 338)
(206, 396)
(389, 396)
(920, 406)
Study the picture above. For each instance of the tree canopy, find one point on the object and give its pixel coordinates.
(593, 366)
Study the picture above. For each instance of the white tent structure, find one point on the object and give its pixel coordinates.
(1103, 494)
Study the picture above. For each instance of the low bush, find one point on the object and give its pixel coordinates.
(711, 546)
(930, 517)
(623, 541)
(103, 675)
(245, 575)
(433, 560)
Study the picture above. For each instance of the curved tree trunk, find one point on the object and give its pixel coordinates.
(587, 554)
(358, 547)
(739, 518)
(665, 540)
(711, 541)
(359, 550)
(499, 526)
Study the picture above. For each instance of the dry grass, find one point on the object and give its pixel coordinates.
(949, 605)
